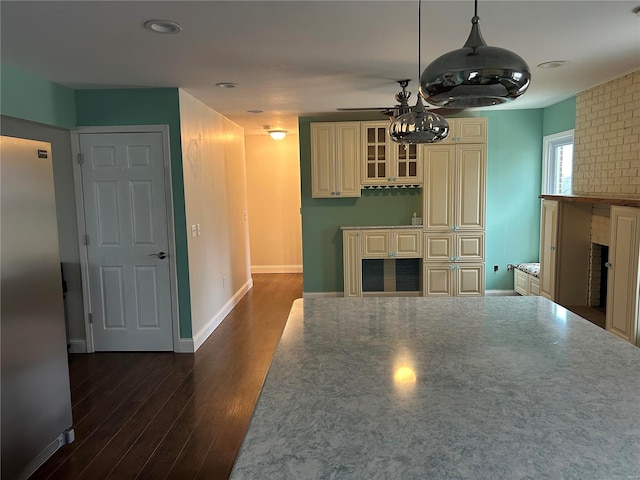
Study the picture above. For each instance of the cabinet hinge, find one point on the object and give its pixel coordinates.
(86, 239)
(80, 158)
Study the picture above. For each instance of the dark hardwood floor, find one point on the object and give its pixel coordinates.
(177, 416)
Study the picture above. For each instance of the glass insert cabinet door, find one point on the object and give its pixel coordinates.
(376, 146)
(386, 162)
(407, 161)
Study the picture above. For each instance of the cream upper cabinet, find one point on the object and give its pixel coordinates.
(622, 283)
(454, 189)
(335, 159)
(385, 162)
(467, 130)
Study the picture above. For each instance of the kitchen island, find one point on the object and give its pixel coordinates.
(445, 388)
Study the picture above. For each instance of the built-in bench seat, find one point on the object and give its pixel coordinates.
(526, 278)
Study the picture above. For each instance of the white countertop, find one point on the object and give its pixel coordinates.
(383, 227)
(445, 388)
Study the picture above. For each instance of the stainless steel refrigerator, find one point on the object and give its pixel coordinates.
(35, 395)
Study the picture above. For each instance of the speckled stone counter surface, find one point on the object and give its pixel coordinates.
(465, 388)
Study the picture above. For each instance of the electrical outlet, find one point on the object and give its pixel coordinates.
(495, 268)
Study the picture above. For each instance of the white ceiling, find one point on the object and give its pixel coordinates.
(293, 58)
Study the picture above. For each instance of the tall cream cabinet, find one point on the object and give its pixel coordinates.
(564, 252)
(335, 159)
(454, 213)
(623, 283)
(385, 162)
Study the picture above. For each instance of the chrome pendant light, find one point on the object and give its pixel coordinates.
(475, 75)
(418, 125)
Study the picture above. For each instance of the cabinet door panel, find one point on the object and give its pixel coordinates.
(470, 247)
(377, 243)
(438, 191)
(622, 286)
(348, 159)
(470, 204)
(407, 164)
(352, 264)
(323, 160)
(375, 153)
(438, 247)
(470, 280)
(548, 240)
(408, 243)
(437, 280)
(471, 130)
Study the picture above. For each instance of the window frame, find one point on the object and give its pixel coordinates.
(550, 143)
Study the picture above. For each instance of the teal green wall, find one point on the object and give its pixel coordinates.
(513, 184)
(513, 209)
(559, 117)
(148, 106)
(30, 98)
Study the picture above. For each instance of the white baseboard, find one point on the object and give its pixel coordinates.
(200, 337)
(77, 345)
(500, 293)
(185, 345)
(276, 268)
(322, 294)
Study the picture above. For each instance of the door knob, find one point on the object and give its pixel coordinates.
(160, 255)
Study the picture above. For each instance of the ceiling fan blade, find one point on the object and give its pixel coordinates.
(364, 109)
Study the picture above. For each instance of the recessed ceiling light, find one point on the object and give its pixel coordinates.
(226, 85)
(255, 111)
(552, 64)
(162, 26)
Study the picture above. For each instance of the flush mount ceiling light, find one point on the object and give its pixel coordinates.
(226, 85)
(162, 26)
(276, 134)
(255, 111)
(475, 75)
(552, 64)
(418, 125)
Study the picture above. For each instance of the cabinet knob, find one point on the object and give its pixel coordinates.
(608, 264)
(451, 267)
(552, 247)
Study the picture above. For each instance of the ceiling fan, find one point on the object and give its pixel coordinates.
(403, 106)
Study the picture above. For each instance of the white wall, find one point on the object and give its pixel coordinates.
(273, 185)
(215, 192)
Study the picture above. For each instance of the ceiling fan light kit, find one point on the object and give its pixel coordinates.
(418, 126)
(475, 75)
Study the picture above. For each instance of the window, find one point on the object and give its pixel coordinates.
(557, 163)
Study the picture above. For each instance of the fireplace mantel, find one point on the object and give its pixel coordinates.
(626, 202)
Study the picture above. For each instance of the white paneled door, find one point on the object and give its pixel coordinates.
(123, 180)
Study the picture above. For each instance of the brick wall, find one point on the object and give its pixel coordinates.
(607, 139)
(600, 224)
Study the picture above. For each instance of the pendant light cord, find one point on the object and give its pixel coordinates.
(419, 38)
(475, 8)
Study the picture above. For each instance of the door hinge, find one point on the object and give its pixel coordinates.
(80, 158)
(86, 238)
(90, 318)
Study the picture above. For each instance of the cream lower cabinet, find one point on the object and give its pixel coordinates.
(375, 243)
(453, 279)
(623, 282)
(335, 159)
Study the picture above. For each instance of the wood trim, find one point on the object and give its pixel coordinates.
(629, 202)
